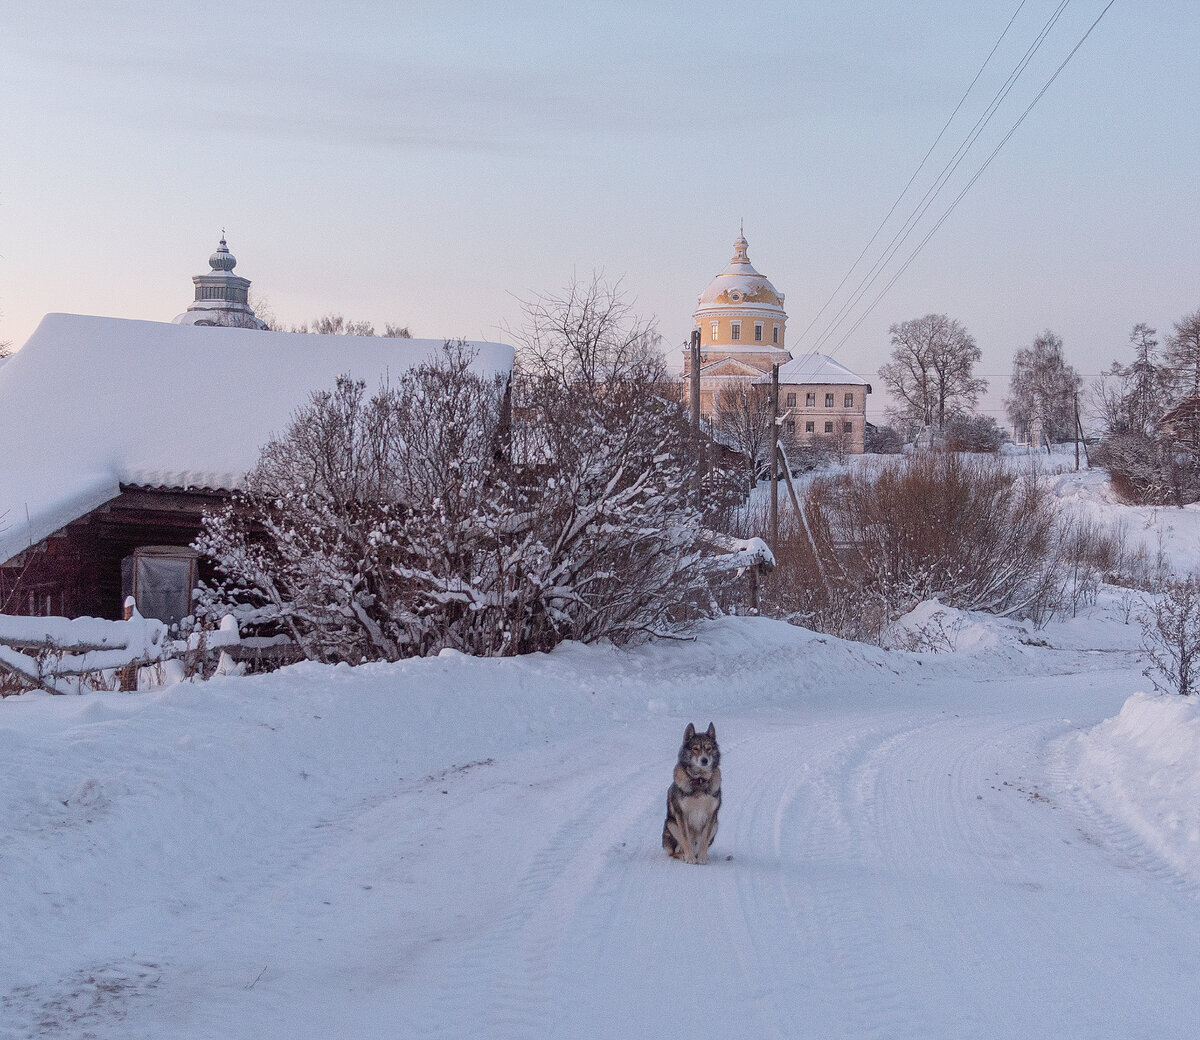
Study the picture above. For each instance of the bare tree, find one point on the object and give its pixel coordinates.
(1043, 389)
(418, 519)
(1145, 396)
(1183, 353)
(334, 324)
(931, 371)
(1130, 399)
(588, 336)
(744, 420)
(1171, 637)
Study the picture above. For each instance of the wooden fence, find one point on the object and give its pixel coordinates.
(59, 654)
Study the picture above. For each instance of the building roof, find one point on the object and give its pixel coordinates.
(91, 403)
(740, 286)
(816, 368)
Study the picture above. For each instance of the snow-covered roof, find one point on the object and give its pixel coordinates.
(816, 368)
(90, 403)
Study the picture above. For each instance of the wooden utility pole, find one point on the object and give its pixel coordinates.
(1077, 431)
(774, 461)
(1079, 437)
(695, 410)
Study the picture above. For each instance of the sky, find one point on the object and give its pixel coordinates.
(434, 164)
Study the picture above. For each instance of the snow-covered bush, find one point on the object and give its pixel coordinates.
(973, 433)
(427, 517)
(1171, 637)
(1151, 470)
(966, 531)
(883, 440)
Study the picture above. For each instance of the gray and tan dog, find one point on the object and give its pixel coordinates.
(694, 797)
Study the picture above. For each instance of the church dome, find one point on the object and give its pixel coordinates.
(740, 286)
(222, 259)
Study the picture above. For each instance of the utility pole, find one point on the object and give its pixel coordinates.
(1079, 437)
(774, 532)
(695, 409)
(1076, 431)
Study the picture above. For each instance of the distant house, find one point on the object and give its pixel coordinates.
(118, 434)
(743, 331)
(818, 397)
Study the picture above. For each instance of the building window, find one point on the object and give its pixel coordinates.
(829, 427)
(735, 331)
(775, 335)
(848, 427)
(810, 427)
(160, 578)
(810, 400)
(849, 401)
(713, 331)
(758, 327)
(791, 426)
(829, 400)
(791, 400)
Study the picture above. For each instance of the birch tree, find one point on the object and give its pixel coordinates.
(1043, 389)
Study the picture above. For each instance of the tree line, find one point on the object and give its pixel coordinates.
(931, 378)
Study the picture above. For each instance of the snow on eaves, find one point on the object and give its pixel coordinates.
(816, 368)
(90, 403)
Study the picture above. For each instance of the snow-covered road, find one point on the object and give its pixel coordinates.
(905, 851)
(891, 874)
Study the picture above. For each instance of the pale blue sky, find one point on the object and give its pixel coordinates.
(430, 163)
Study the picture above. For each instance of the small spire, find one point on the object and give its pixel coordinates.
(740, 247)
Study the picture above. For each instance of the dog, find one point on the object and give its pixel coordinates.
(694, 798)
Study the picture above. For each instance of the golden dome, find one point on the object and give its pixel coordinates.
(740, 286)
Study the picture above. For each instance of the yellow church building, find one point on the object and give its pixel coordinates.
(743, 333)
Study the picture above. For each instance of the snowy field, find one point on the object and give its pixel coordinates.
(1000, 842)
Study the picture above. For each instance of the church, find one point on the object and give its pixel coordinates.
(743, 334)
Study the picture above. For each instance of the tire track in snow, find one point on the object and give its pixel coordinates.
(503, 986)
(834, 835)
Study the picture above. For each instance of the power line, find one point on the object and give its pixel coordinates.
(948, 170)
(920, 167)
(987, 162)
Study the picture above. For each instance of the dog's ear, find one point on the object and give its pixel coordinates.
(712, 732)
(689, 733)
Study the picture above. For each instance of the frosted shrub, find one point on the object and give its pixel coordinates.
(966, 531)
(425, 517)
(1171, 637)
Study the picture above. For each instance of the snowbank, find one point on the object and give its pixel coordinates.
(934, 627)
(1143, 768)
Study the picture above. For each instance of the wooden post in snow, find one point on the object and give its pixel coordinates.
(774, 531)
(128, 675)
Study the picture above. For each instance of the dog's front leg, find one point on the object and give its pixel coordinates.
(683, 839)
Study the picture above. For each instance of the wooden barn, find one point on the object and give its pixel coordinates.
(117, 435)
